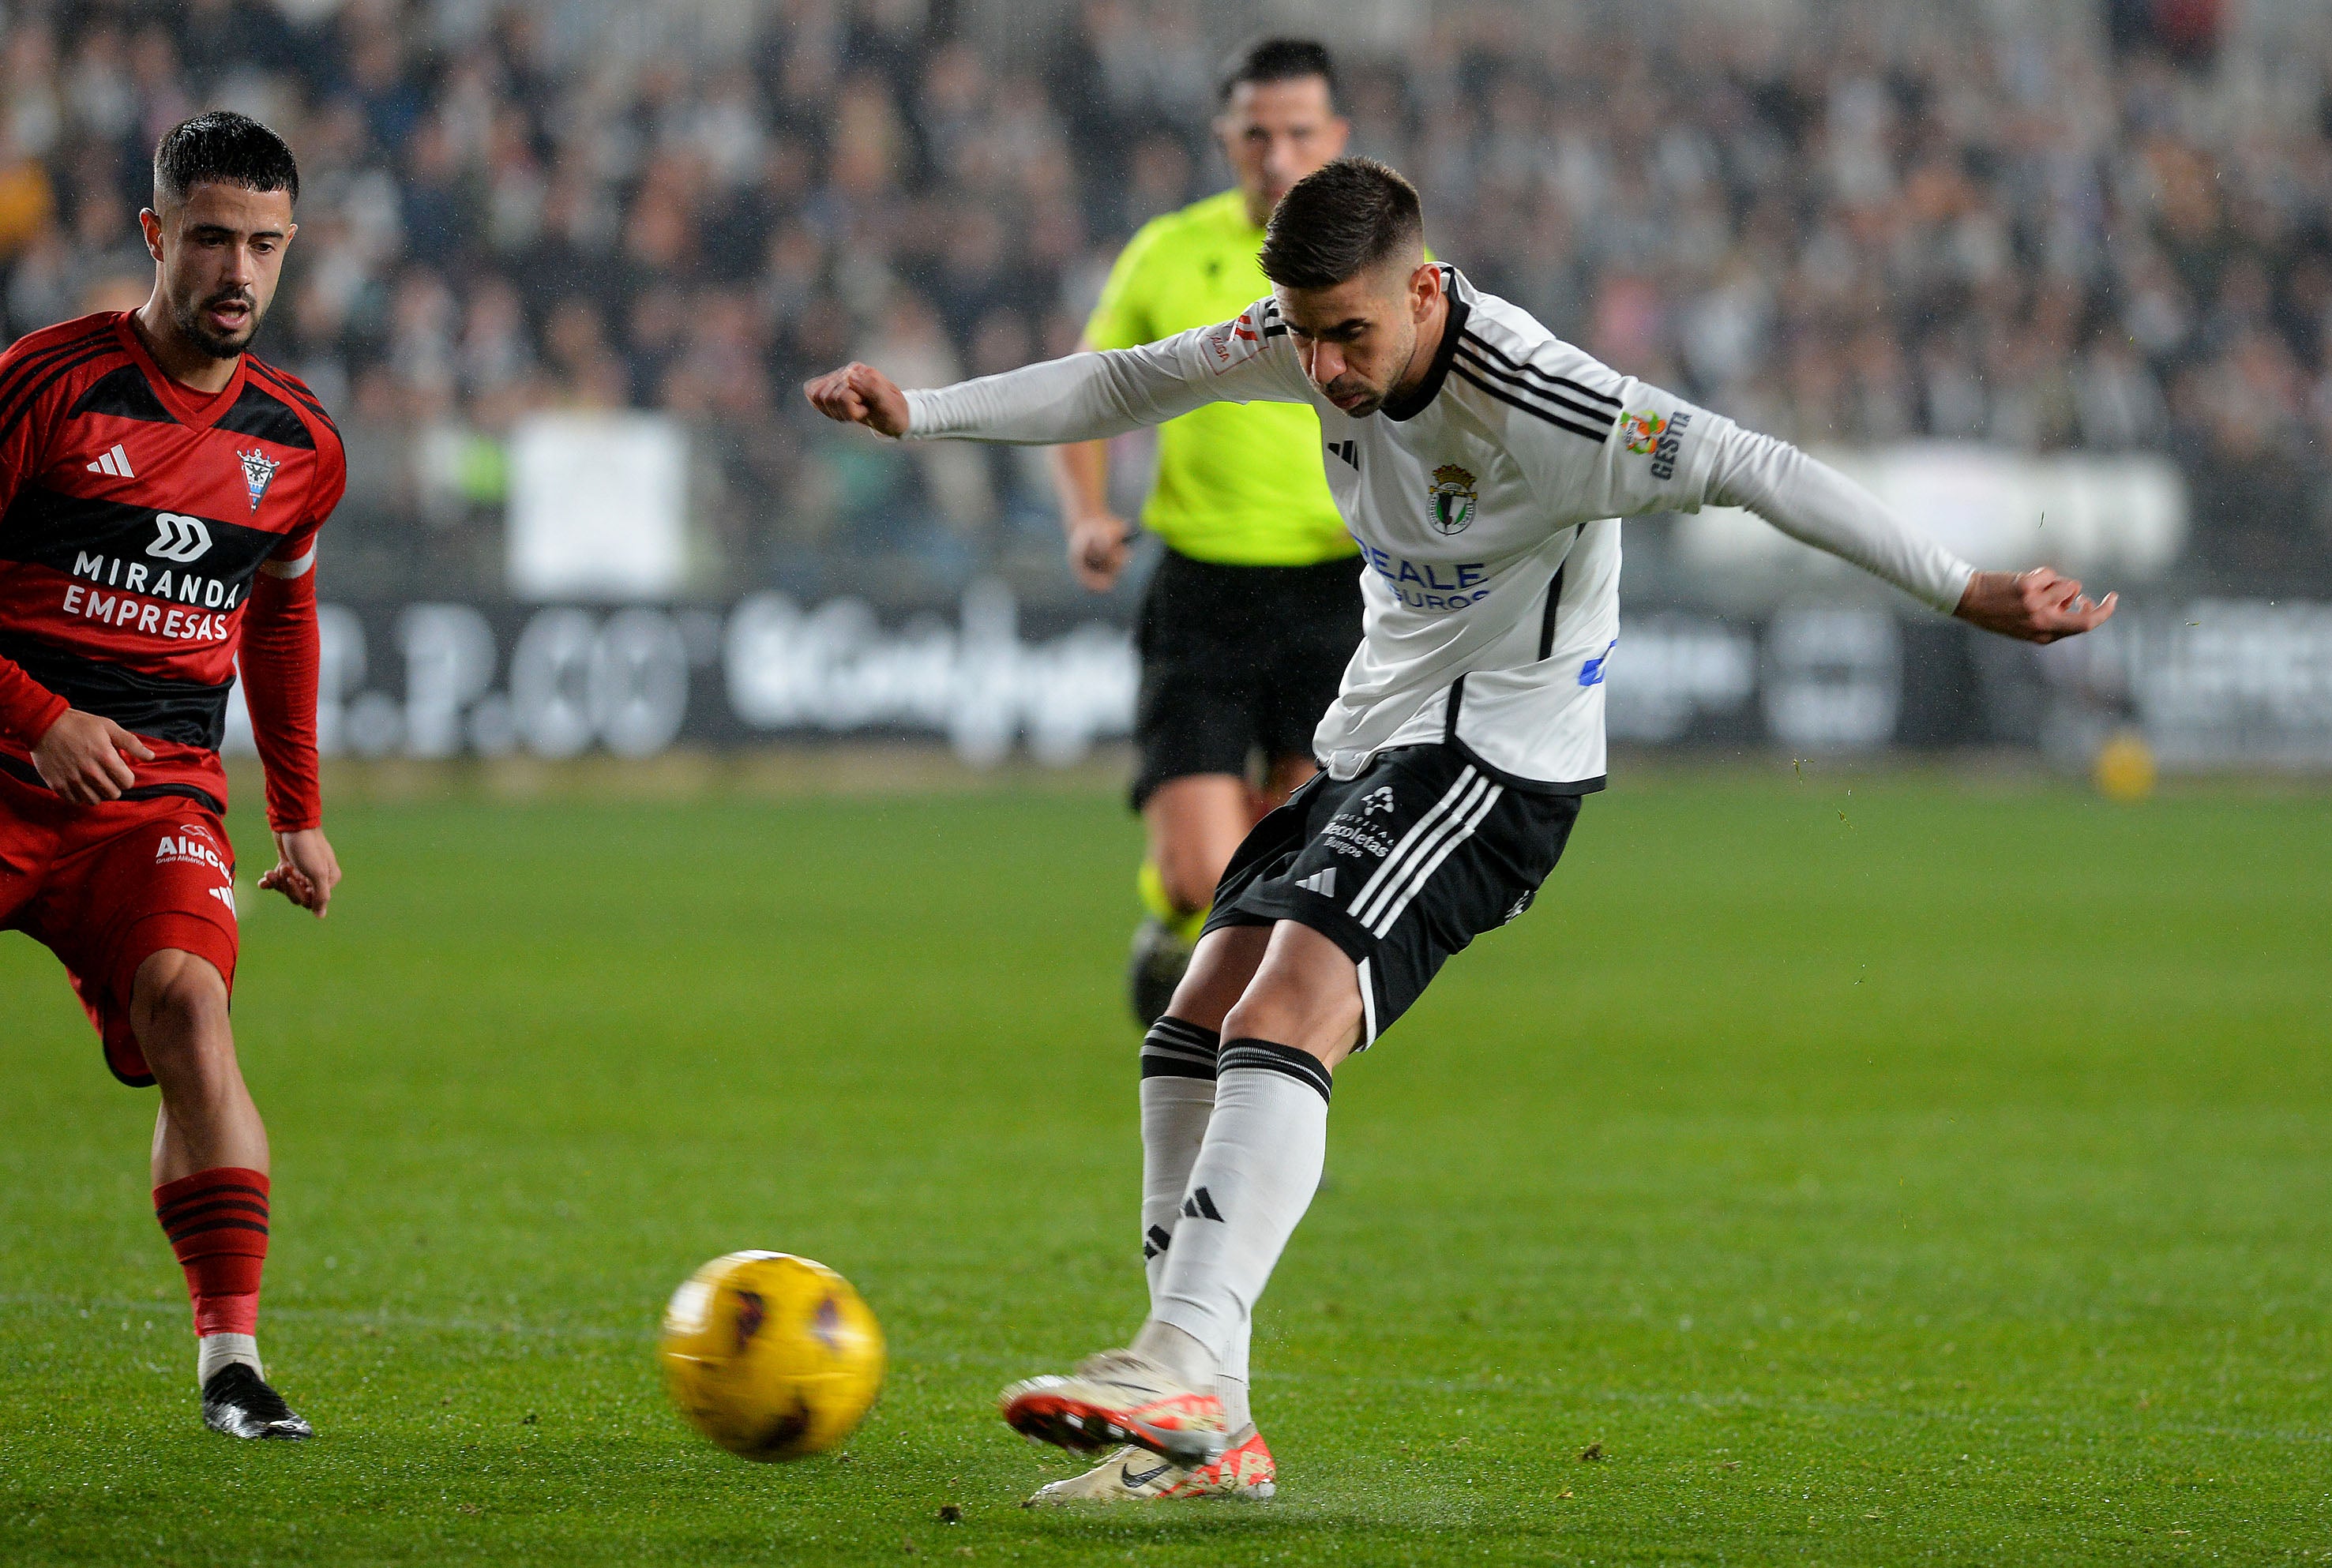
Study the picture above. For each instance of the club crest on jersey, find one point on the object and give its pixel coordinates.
(258, 473)
(1453, 498)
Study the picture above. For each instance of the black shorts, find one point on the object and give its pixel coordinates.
(1236, 660)
(1400, 867)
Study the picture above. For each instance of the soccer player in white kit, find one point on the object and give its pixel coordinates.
(1483, 464)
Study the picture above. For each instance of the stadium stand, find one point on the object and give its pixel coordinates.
(2105, 231)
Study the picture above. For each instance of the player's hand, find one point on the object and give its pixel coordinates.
(2040, 606)
(306, 869)
(82, 758)
(860, 394)
(1098, 546)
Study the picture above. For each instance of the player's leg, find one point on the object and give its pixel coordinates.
(1266, 1146)
(1178, 1096)
(211, 1184)
(1255, 1173)
(142, 911)
(1399, 868)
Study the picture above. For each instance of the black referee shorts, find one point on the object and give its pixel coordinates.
(1400, 867)
(1236, 660)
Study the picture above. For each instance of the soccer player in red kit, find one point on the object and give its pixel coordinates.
(160, 494)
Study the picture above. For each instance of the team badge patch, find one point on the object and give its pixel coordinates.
(1453, 498)
(1642, 432)
(258, 473)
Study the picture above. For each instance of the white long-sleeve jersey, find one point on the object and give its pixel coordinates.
(1485, 506)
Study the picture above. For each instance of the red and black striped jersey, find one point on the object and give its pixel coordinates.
(135, 513)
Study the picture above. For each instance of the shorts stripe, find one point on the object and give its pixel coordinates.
(1368, 1004)
(1425, 825)
(1382, 889)
(1448, 844)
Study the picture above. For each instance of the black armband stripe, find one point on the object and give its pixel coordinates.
(1569, 401)
(1524, 367)
(1587, 431)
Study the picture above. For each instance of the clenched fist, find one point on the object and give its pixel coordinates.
(860, 394)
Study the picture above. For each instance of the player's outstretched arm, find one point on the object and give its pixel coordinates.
(1814, 502)
(2040, 606)
(1086, 397)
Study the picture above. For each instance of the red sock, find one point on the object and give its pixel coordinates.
(216, 1221)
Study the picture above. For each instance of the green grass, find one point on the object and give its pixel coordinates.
(1939, 1173)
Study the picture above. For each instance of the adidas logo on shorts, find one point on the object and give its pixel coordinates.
(1322, 882)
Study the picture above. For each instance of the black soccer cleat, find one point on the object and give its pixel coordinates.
(1154, 969)
(238, 1402)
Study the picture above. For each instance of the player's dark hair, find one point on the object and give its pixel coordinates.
(1261, 60)
(225, 148)
(1339, 222)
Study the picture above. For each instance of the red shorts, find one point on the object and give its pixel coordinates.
(106, 887)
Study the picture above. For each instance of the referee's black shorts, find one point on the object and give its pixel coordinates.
(1236, 660)
(1402, 866)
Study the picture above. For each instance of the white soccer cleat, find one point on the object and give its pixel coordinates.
(1134, 1475)
(1118, 1397)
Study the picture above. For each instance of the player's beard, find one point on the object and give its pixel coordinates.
(1347, 384)
(187, 314)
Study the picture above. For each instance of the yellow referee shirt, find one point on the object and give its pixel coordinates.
(1238, 484)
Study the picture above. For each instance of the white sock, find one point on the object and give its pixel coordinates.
(1176, 1105)
(1174, 1113)
(1267, 1145)
(214, 1351)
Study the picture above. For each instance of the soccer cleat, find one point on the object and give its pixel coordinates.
(238, 1402)
(1133, 1474)
(1154, 969)
(1118, 1397)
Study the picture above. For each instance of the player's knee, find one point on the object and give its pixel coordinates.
(178, 1006)
(1320, 1026)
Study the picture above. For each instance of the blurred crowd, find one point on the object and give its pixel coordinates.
(2100, 236)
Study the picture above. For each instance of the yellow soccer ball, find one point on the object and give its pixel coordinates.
(2124, 767)
(770, 1355)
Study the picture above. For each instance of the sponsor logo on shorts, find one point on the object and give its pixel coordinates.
(1356, 835)
(1377, 799)
(187, 844)
(225, 895)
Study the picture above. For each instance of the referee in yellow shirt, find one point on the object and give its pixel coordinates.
(1254, 608)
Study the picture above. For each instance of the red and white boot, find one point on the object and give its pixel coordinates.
(1118, 1397)
(1134, 1475)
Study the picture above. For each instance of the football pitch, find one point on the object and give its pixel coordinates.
(1940, 1171)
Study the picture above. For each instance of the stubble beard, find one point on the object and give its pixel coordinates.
(186, 316)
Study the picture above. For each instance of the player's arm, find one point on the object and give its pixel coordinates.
(1816, 505)
(280, 656)
(1083, 398)
(1660, 454)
